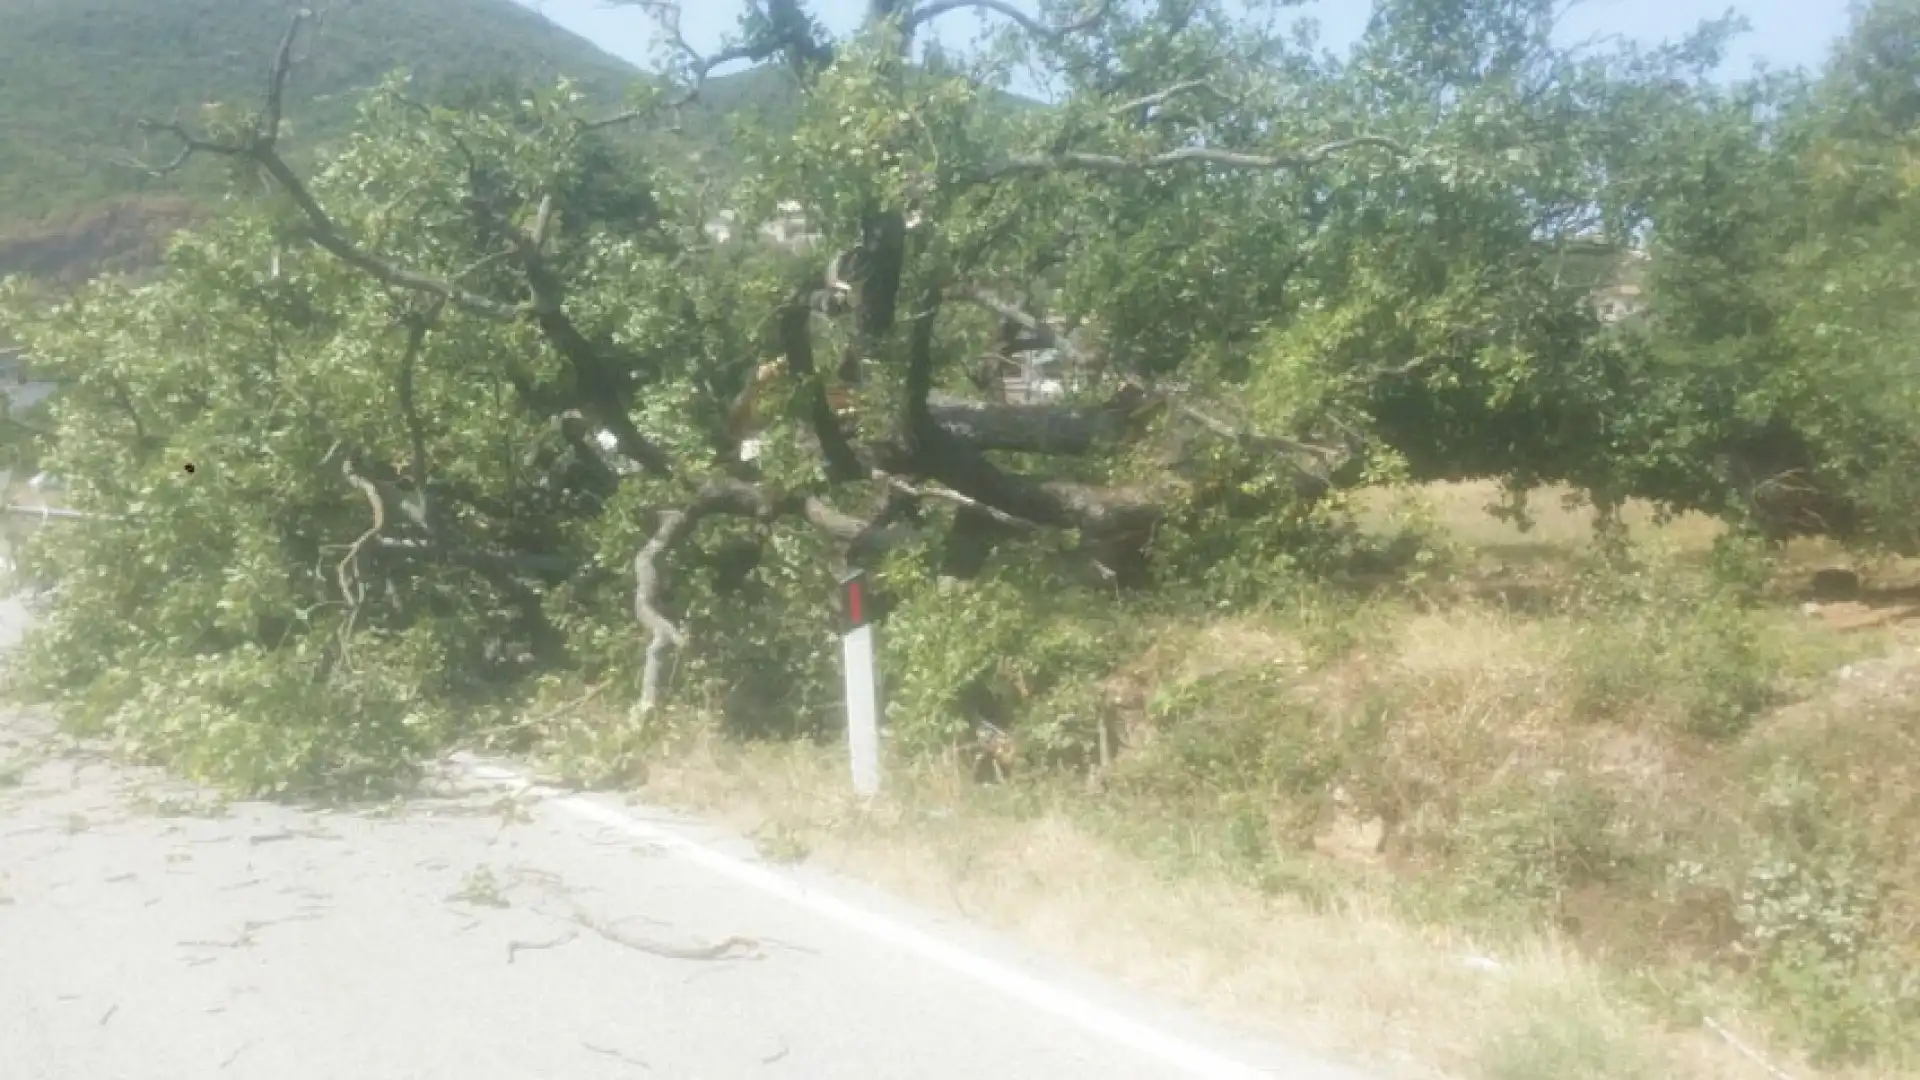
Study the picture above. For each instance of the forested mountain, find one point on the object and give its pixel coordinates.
(77, 76)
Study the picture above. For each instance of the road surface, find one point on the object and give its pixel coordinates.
(491, 929)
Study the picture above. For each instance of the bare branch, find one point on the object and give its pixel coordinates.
(325, 233)
(500, 567)
(788, 24)
(352, 589)
(949, 495)
(1257, 439)
(933, 9)
(730, 497)
(269, 130)
(261, 148)
(1161, 97)
(189, 146)
(542, 220)
(1186, 155)
(1043, 334)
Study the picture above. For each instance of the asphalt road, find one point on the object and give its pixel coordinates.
(496, 930)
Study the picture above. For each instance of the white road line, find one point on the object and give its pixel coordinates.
(1105, 1023)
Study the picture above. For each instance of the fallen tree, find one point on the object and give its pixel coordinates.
(485, 362)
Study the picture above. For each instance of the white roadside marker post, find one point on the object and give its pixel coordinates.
(863, 718)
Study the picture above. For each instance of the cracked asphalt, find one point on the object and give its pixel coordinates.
(474, 933)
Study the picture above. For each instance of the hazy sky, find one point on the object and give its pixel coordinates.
(1786, 33)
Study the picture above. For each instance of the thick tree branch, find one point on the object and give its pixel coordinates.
(722, 497)
(796, 342)
(728, 497)
(1065, 430)
(417, 323)
(881, 262)
(269, 129)
(323, 231)
(924, 437)
(601, 393)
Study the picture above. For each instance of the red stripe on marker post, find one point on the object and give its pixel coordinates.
(855, 586)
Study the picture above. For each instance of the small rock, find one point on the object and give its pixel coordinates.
(1351, 839)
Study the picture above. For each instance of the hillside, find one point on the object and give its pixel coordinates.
(75, 76)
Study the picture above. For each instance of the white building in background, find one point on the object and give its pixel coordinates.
(788, 228)
(1622, 298)
(1033, 376)
(1612, 276)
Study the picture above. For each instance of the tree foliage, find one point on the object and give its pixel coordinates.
(468, 402)
(1779, 343)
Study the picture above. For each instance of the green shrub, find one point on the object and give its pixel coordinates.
(1019, 649)
(1530, 841)
(1660, 641)
(1810, 914)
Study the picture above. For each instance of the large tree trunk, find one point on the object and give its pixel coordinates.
(1063, 430)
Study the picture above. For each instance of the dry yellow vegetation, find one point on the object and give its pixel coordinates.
(1536, 815)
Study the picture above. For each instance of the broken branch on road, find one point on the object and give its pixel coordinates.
(515, 948)
(734, 947)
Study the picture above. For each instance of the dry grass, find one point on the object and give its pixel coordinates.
(1353, 979)
(1482, 892)
(1559, 521)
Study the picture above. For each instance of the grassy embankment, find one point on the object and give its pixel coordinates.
(1538, 814)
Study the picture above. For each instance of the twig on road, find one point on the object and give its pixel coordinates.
(730, 948)
(617, 1055)
(292, 834)
(514, 948)
(245, 939)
